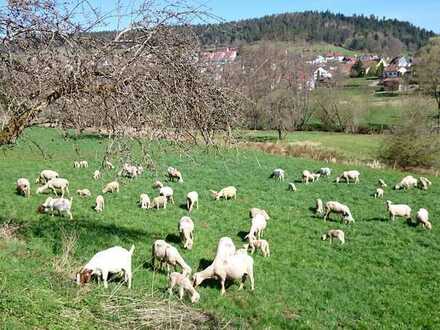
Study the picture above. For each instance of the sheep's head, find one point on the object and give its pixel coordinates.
(197, 279)
(39, 190)
(338, 178)
(215, 194)
(84, 277)
(195, 297)
(324, 237)
(41, 209)
(397, 187)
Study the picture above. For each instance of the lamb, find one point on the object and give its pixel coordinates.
(422, 218)
(157, 184)
(76, 164)
(99, 204)
(159, 202)
(261, 244)
(319, 210)
(307, 176)
(291, 187)
(96, 175)
(61, 205)
(129, 171)
(55, 185)
(325, 171)
(226, 193)
(174, 174)
(168, 193)
(184, 284)
(46, 175)
(382, 183)
(334, 233)
(83, 163)
(23, 187)
(192, 198)
(254, 211)
(257, 227)
(278, 174)
(349, 175)
(168, 254)
(186, 228)
(379, 193)
(144, 201)
(424, 183)
(111, 187)
(400, 210)
(341, 209)
(113, 260)
(316, 176)
(84, 193)
(407, 182)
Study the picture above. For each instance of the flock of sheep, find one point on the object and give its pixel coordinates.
(229, 262)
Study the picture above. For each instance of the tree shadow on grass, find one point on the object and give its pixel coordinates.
(173, 238)
(376, 219)
(242, 235)
(183, 207)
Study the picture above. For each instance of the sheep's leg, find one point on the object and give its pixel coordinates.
(222, 282)
(172, 199)
(181, 292)
(128, 278)
(69, 214)
(197, 205)
(251, 278)
(104, 278)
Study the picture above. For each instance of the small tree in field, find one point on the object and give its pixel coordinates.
(357, 70)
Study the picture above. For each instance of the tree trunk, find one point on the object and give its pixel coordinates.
(280, 134)
(16, 125)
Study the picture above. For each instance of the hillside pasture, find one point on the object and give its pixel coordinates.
(385, 276)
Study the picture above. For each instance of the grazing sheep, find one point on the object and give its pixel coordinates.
(111, 261)
(379, 193)
(226, 193)
(140, 170)
(61, 205)
(307, 176)
(341, 209)
(349, 175)
(291, 187)
(174, 174)
(325, 171)
(108, 165)
(84, 192)
(168, 254)
(407, 182)
(96, 175)
(159, 202)
(76, 164)
(46, 175)
(424, 183)
(55, 185)
(184, 284)
(111, 187)
(168, 193)
(99, 204)
(186, 228)
(400, 210)
(192, 198)
(144, 201)
(254, 211)
(319, 209)
(23, 187)
(157, 184)
(382, 183)
(258, 225)
(260, 244)
(422, 218)
(129, 171)
(278, 174)
(83, 164)
(334, 233)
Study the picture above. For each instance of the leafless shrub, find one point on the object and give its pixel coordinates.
(9, 230)
(64, 265)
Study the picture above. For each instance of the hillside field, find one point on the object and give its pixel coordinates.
(385, 276)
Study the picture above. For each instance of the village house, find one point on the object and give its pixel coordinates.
(220, 56)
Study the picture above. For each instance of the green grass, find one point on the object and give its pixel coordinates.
(385, 276)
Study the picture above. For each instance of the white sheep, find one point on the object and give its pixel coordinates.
(46, 175)
(168, 254)
(111, 261)
(400, 210)
(349, 176)
(341, 209)
(379, 193)
(61, 205)
(184, 284)
(424, 183)
(192, 198)
(168, 193)
(186, 228)
(99, 204)
(406, 183)
(111, 187)
(23, 187)
(84, 163)
(157, 184)
(84, 192)
(226, 193)
(258, 225)
(334, 233)
(319, 209)
(159, 202)
(144, 201)
(382, 183)
(278, 174)
(307, 176)
(325, 171)
(291, 187)
(96, 175)
(422, 218)
(56, 184)
(260, 244)
(174, 174)
(76, 164)
(254, 211)
(129, 171)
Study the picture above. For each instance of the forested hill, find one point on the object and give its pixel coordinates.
(353, 32)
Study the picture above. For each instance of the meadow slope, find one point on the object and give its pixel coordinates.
(385, 276)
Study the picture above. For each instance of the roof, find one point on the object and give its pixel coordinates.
(227, 54)
(391, 68)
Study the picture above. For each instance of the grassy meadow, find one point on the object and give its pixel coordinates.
(385, 276)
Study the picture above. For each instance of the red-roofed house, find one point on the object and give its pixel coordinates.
(220, 56)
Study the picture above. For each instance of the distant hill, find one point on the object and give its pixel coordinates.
(364, 33)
